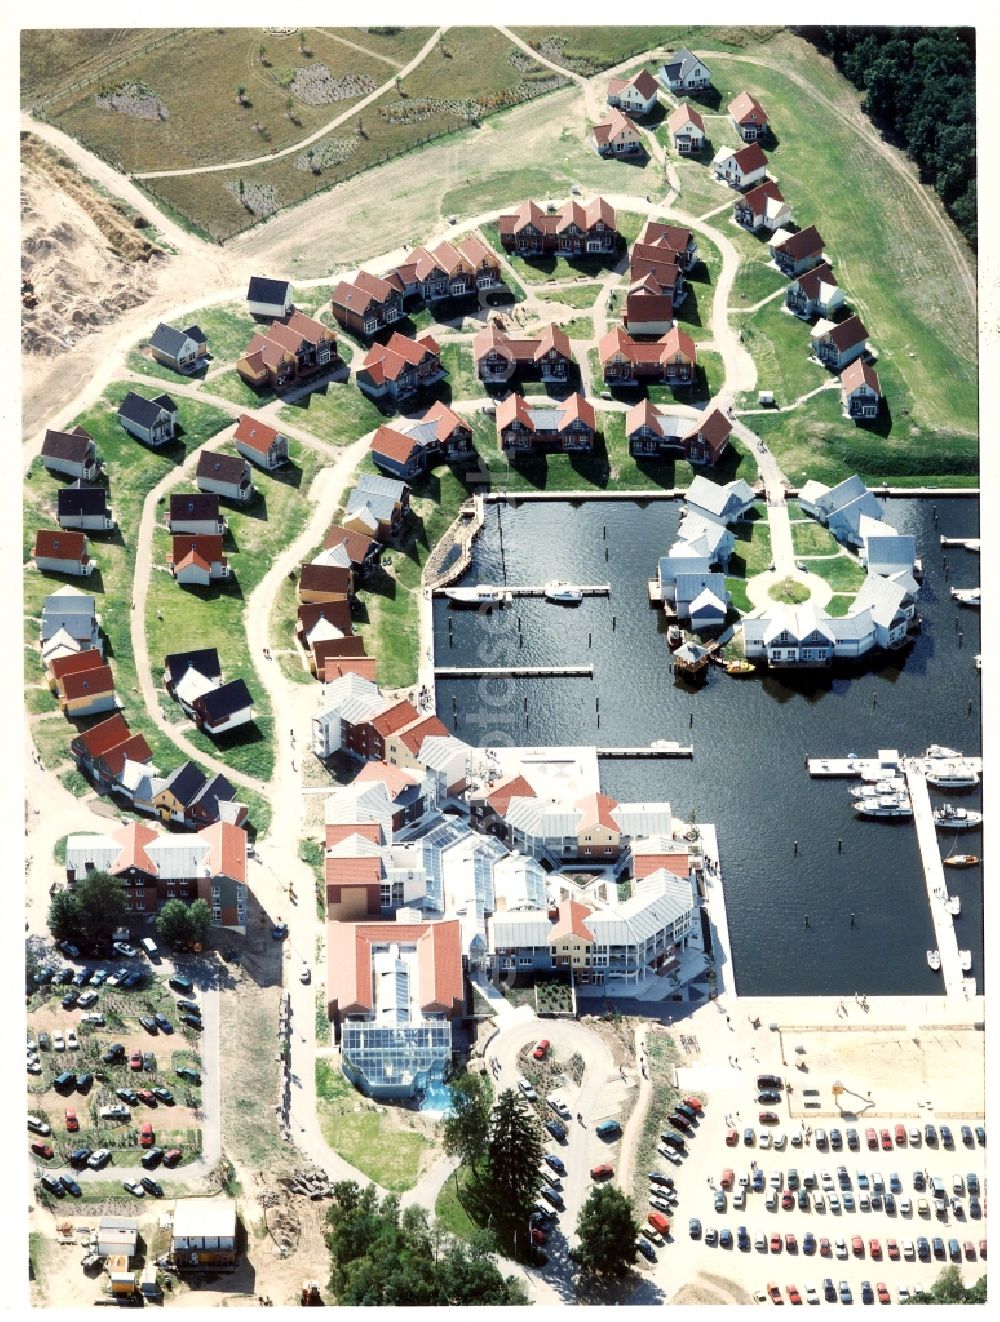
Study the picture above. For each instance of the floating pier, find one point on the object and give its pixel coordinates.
(538, 590)
(661, 748)
(969, 543)
(887, 763)
(513, 672)
(937, 890)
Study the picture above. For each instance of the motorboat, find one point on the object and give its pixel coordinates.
(952, 775)
(965, 960)
(892, 785)
(555, 590)
(966, 596)
(939, 750)
(933, 960)
(962, 861)
(482, 595)
(954, 906)
(884, 805)
(675, 636)
(740, 667)
(950, 818)
(978, 660)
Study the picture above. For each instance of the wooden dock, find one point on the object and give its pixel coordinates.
(969, 543)
(937, 890)
(538, 590)
(513, 672)
(661, 748)
(853, 766)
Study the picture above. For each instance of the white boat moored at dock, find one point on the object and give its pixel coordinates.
(954, 905)
(934, 960)
(965, 960)
(885, 805)
(893, 785)
(966, 596)
(566, 593)
(950, 818)
(951, 775)
(482, 595)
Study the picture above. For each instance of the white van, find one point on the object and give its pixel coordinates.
(149, 947)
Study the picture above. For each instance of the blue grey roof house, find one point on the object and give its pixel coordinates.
(183, 350)
(84, 507)
(684, 72)
(152, 421)
(224, 708)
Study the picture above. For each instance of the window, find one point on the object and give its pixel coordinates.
(216, 912)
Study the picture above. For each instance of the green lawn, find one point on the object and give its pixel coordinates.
(789, 591)
(574, 296)
(588, 50)
(580, 328)
(780, 346)
(214, 617)
(840, 603)
(843, 573)
(755, 279)
(338, 413)
(811, 538)
(228, 328)
(139, 362)
(385, 1151)
(462, 379)
(752, 552)
(817, 441)
(230, 385)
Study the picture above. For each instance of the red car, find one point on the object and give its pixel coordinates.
(858, 1246)
(793, 1295)
(774, 1293)
(787, 1200)
(970, 1249)
(732, 1138)
(875, 1248)
(538, 1236)
(146, 1136)
(871, 1138)
(72, 1124)
(541, 1049)
(982, 1249)
(882, 1292)
(775, 1243)
(602, 1172)
(172, 1157)
(900, 1136)
(41, 1150)
(892, 1248)
(146, 1096)
(791, 1243)
(135, 1060)
(825, 1251)
(767, 1118)
(693, 1102)
(886, 1141)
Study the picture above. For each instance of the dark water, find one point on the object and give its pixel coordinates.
(750, 737)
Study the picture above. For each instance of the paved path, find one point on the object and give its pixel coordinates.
(625, 1174)
(358, 106)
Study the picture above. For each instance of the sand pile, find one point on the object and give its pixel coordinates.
(73, 281)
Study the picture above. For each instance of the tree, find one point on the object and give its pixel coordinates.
(607, 1229)
(289, 106)
(200, 918)
(513, 1166)
(101, 901)
(241, 92)
(262, 52)
(949, 1289)
(173, 924)
(467, 1129)
(64, 916)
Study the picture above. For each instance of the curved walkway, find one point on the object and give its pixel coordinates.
(363, 104)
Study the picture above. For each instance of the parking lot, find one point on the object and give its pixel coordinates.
(100, 1079)
(798, 1204)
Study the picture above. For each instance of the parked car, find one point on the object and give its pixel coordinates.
(163, 1023)
(71, 1186)
(767, 1118)
(151, 1186)
(123, 948)
(541, 1049)
(134, 1187)
(149, 1062)
(556, 1163)
(58, 1041)
(64, 1081)
(72, 1123)
(72, 1041)
(146, 1096)
(114, 1053)
(147, 1022)
(41, 1149)
(99, 1158)
(557, 1130)
(163, 1095)
(190, 1021)
(602, 1172)
(79, 1156)
(152, 1158)
(181, 984)
(135, 1060)
(645, 1248)
(172, 1157)
(53, 1184)
(69, 1000)
(146, 1135)
(193, 1076)
(38, 1126)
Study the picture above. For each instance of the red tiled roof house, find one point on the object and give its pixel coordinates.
(400, 368)
(748, 117)
(259, 443)
(58, 551)
(499, 356)
(525, 426)
(575, 229)
(636, 94)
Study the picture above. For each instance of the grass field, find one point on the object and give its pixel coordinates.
(539, 270)
(481, 74)
(384, 1147)
(230, 385)
(462, 379)
(588, 50)
(338, 413)
(133, 471)
(887, 256)
(779, 344)
(214, 617)
(817, 441)
(843, 572)
(196, 75)
(811, 538)
(389, 597)
(574, 296)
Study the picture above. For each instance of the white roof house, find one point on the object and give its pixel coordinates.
(883, 549)
(638, 820)
(884, 598)
(518, 883)
(350, 698)
(356, 803)
(519, 928)
(661, 903)
(544, 819)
